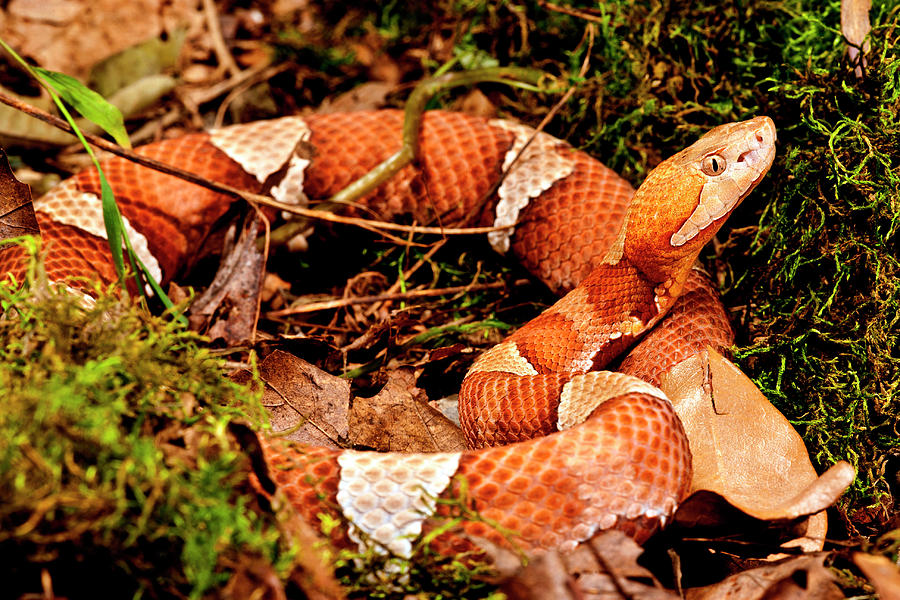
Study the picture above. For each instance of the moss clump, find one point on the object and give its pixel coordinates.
(116, 466)
(824, 291)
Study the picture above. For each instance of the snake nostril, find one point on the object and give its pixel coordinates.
(759, 137)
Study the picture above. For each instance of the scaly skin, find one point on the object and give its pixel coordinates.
(632, 288)
(627, 465)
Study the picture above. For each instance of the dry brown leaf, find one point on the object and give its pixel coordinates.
(366, 96)
(305, 399)
(881, 573)
(16, 211)
(855, 26)
(745, 451)
(604, 568)
(228, 307)
(394, 420)
(800, 578)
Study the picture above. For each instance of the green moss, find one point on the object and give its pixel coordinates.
(825, 293)
(116, 465)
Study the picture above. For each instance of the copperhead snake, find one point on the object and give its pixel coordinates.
(587, 449)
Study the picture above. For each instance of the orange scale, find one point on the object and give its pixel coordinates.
(309, 497)
(487, 491)
(550, 539)
(502, 475)
(519, 485)
(478, 528)
(542, 516)
(638, 454)
(474, 478)
(534, 467)
(504, 501)
(625, 432)
(646, 477)
(572, 508)
(524, 509)
(324, 468)
(330, 485)
(664, 465)
(531, 532)
(513, 460)
(549, 477)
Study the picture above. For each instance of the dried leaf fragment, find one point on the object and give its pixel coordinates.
(881, 573)
(603, 568)
(395, 421)
(229, 306)
(305, 400)
(800, 578)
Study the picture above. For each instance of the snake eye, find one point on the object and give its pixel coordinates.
(713, 165)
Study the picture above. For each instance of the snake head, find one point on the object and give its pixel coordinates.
(685, 199)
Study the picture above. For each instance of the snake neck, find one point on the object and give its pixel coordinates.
(593, 323)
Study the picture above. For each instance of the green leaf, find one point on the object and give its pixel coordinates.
(89, 103)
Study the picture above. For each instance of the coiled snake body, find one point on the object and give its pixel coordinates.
(586, 449)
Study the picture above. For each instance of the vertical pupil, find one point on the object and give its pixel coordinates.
(715, 165)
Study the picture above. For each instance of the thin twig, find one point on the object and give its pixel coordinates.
(226, 60)
(330, 304)
(407, 274)
(570, 11)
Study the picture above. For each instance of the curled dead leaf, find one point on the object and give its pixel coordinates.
(16, 210)
(603, 568)
(746, 452)
(229, 307)
(800, 578)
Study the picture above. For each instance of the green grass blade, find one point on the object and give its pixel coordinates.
(89, 103)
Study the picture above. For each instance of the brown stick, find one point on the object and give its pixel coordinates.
(329, 304)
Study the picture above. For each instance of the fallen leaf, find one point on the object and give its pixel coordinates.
(745, 451)
(603, 568)
(233, 296)
(303, 399)
(800, 578)
(151, 57)
(71, 36)
(367, 96)
(394, 420)
(16, 210)
(883, 574)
